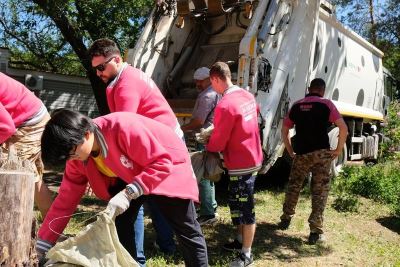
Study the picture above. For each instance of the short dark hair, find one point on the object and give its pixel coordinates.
(317, 84)
(65, 130)
(220, 70)
(103, 47)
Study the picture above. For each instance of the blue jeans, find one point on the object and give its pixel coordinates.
(208, 204)
(139, 237)
(165, 235)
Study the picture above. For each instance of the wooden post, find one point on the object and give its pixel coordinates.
(16, 212)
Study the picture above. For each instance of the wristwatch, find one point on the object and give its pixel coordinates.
(132, 193)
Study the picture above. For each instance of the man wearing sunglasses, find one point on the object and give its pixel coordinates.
(128, 88)
(131, 90)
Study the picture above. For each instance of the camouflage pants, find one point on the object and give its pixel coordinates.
(318, 163)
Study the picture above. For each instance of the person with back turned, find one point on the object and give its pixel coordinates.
(236, 134)
(311, 117)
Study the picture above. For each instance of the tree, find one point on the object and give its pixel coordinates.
(54, 35)
(390, 35)
(378, 22)
(360, 16)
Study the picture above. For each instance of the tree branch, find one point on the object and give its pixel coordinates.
(29, 63)
(71, 34)
(16, 37)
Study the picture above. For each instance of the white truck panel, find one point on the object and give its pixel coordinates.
(299, 39)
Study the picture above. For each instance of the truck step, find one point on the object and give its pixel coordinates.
(356, 139)
(356, 156)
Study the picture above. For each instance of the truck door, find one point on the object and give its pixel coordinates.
(289, 56)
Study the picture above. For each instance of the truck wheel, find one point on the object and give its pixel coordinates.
(339, 162)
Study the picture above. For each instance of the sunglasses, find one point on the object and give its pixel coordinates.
(102, 66)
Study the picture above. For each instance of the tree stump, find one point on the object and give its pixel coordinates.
(16, 212)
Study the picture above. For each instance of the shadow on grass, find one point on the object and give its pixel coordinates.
(92, 201)
(391, 222)
(268, 239)
(53, 178)
(156, 255)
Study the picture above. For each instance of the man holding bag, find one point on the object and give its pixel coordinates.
(202, 117)
(127, 159)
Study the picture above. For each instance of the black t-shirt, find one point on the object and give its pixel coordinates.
(311, 117)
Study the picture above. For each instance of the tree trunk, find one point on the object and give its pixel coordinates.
(74, 37)
(372, 30)
(99, 91)
(16, 212)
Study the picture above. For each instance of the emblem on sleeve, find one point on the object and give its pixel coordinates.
(126, 162)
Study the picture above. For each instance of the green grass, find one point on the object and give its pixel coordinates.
(369, 237)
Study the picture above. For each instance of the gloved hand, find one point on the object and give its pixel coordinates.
(118, 204)
(121, 201)
(204, 134)
(41, 249)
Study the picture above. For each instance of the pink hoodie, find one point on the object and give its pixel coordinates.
(135, 92)
(140, 150)
(236, 132)
(17, 105)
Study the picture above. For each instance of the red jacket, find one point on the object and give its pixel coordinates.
(140, 150)
(135, 92)
(17, 105)
(236, 133)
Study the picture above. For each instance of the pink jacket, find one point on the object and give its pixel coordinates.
(135, 92)
(236, 132)
(17, 105)
(140, 150)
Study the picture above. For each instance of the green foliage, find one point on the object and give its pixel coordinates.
(380, 182)
(34, 37)
(390, 148)
(378, 22)
(346, 202)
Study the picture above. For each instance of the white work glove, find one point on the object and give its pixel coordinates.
(41, 250)
(121, 201)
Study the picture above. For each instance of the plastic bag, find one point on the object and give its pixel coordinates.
(97, 245)
(206, 165)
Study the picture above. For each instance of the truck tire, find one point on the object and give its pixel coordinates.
(339, 162)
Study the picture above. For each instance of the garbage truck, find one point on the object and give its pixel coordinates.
(274, 49)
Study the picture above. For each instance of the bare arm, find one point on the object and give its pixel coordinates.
(342, 137)
(194, 124)
(286, 141)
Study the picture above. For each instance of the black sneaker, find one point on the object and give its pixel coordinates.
(316, 238)
(206, 219)
(233, 246)
(242, 261)
(284, 224)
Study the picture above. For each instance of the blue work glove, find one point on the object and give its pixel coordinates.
(121, 201)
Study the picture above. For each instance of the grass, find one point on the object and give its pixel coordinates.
(369, 237)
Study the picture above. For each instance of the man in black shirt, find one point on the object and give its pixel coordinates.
(311, 117)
